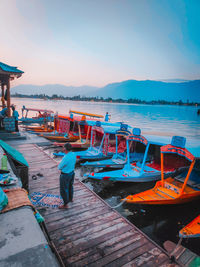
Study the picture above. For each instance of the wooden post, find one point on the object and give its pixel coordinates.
(187, 177)
(162, 168)
(87, 136)
(8, 96)
(2, 95)
(79, 132)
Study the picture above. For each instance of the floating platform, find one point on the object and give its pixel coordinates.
(90, 232)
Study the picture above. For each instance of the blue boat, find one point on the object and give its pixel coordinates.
(124, 138)
(143, 171)
(102, 143)
(43, 116)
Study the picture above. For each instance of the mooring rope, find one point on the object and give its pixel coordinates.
(120, 204)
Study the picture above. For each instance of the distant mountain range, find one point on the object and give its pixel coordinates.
(145, 90)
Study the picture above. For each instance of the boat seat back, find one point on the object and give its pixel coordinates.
(178, 141)
(136, 131)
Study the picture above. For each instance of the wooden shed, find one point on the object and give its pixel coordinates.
(7, 74)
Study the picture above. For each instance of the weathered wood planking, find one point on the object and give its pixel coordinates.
(89, 233)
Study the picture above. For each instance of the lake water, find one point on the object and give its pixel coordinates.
(169, 120)
(160, 223)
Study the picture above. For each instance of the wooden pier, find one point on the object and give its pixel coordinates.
(89, 233)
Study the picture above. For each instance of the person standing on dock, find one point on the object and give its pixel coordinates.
(16, 116)
(3, 114)
(66, 167)
(107, 117)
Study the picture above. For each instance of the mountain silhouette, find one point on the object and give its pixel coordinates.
(145, 90)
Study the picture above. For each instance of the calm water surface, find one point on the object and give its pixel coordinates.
(173, 120)
(160, 223)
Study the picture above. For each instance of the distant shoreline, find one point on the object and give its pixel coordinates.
(108, 100)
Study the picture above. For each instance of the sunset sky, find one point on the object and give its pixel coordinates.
(96, 42)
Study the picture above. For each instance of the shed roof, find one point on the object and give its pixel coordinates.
(9, 69)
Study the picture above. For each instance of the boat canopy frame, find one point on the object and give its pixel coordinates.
(181, 151)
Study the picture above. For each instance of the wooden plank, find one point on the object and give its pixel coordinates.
(89, 231)
(74, 212)
(77, 246)
(79, 227)
(151, 258)
(119, 257)
(90, 255)
(103, 251)
(85, 216)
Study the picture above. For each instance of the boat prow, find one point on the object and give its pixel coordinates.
(165, 195)
(191, 230)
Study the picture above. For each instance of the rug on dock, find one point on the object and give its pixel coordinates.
(46, 200)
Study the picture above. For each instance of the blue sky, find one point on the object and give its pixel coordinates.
(95, 42)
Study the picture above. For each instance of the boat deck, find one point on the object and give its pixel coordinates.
(90, 232)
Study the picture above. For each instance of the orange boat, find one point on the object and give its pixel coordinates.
(192, 230)
(44, 130)
(171, 190)
(60, 138)
(32, 128)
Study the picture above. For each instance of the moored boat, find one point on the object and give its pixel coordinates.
(146, 168)
(171, 190)
(72, 128)
(102, 143)
(42, 116)
(127, 150)
(65, 129)
(191, 230)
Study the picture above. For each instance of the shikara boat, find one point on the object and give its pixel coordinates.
(171, 190)
(143, 166)
(65, 129)
(69, 128)
(84, 134)
(124, 141)
(191, 230)
(84, 127)
(42, 116)
(102, 143)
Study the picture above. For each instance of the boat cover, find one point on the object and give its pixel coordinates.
(16, 155)
(177, 150)
(138, 138)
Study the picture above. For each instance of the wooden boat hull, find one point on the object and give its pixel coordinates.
(43, 130)
(191, 230)
(60, 138)
(160, 195)
(107, 163)
(117, 161)
(32, 128)
(80, 145)
(125, 176)
(89, 154)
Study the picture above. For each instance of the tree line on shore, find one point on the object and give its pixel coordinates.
(108, 100)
